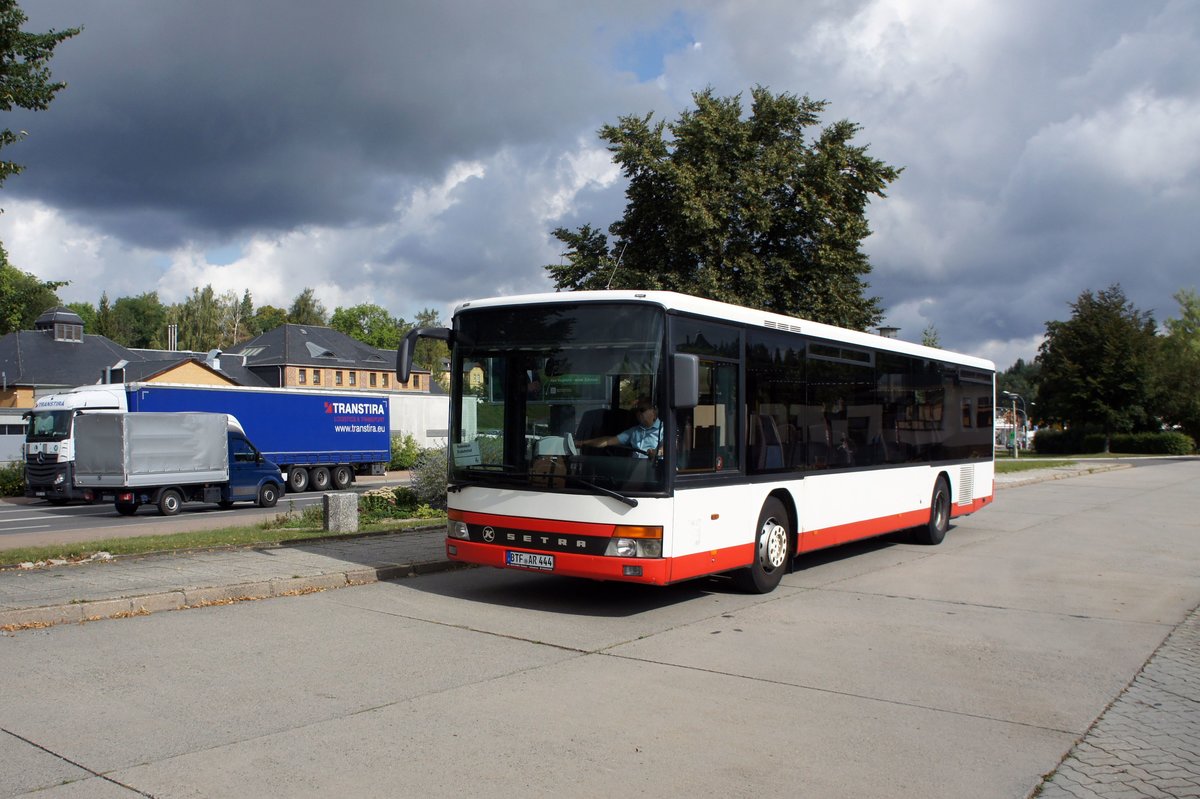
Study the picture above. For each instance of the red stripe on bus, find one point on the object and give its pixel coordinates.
(812, 540)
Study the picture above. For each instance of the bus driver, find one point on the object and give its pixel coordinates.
(645, 437)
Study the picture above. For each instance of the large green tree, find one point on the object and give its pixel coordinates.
(139, 321)
(23, 297)
(24, 72)
(368, 323)
(759, 210)
(1098, 367)
(307, 309)
(1179, 375)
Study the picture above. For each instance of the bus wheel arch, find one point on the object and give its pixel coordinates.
(774, 546)
(933, 532)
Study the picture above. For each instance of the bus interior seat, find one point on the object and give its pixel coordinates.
(766, 451)
(603, 422)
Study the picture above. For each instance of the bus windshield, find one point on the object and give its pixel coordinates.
(540, 391)
(49, 425)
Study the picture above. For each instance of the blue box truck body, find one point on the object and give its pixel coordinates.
(320, 439)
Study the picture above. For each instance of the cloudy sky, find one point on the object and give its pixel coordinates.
(415, 154)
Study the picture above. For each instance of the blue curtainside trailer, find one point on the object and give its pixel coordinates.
(320, 439)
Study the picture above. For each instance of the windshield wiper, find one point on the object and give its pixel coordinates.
(608, 492)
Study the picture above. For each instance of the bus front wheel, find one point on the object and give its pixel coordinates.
(772, 550)
(939, 515)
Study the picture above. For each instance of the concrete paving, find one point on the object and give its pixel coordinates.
(1146, 744)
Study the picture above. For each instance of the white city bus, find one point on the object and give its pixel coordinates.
(779, 436)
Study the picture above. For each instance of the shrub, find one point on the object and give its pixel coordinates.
(404, 452)
(1077, 442)
(12, 479)
(429, 478)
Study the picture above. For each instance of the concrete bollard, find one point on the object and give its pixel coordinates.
(341, 512)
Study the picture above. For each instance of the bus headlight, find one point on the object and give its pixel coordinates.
(631, 541)
(59, 479)
(456, 527)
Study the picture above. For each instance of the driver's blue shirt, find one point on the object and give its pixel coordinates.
(642, 438)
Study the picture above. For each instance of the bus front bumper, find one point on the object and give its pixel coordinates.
(650, 571)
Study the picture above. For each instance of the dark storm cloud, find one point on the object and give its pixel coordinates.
(218, 117)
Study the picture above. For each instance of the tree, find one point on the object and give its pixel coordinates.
(1179, 375)
(268, 317)
(24, 72)
(1097, 368)
(138, 321)
(930, 337)
(307, 309)
(1021, 379)
(368, 323)
(429, 353)
(745, 210)
(198, 319)
(23, 297)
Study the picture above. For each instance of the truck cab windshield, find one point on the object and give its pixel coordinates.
(555, 397)
(49, 425)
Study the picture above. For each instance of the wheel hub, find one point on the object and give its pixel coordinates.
(772, 545)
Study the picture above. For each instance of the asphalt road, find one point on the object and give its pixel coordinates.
(33, 522)
(881, 669)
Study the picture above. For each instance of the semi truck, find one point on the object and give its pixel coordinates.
(167, 459)
(320, 439)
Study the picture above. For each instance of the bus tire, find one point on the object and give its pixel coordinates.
(297, 479)
(939, 515)
(772, 551)
(268, 495)
(342, 476)
(169, 502)
(318, 478)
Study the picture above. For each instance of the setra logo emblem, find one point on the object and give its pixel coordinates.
(489, 534)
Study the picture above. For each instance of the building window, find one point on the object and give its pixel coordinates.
(303, 376)
(316, 377)
(416, 383)
(354, 378)
(67, 332)
(374, 377)
(385, 380)
(337, 378)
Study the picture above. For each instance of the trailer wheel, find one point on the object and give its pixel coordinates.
(297, 479)
(342, 476)
(319, 479)
(268, 495)
(126, 508)
(169, 502)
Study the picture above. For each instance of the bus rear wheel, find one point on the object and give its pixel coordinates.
(772, 551)
(934, 532)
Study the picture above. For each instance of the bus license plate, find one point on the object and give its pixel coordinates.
(530, 560)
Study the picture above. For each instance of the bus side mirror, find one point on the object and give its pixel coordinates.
(408, 345)
(687, 381)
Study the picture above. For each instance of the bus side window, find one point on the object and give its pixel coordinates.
(709, 432)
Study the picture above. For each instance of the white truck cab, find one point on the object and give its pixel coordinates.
(49, 442)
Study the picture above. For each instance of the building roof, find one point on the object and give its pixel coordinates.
(312, 345)
(34, 358)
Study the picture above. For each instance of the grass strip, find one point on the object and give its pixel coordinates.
(256, 535)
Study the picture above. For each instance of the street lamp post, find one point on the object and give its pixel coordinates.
(1016, 441)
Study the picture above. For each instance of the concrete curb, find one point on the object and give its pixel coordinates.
(1043, 475)
(182, 599)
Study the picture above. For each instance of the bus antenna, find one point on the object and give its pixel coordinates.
(617, 264)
